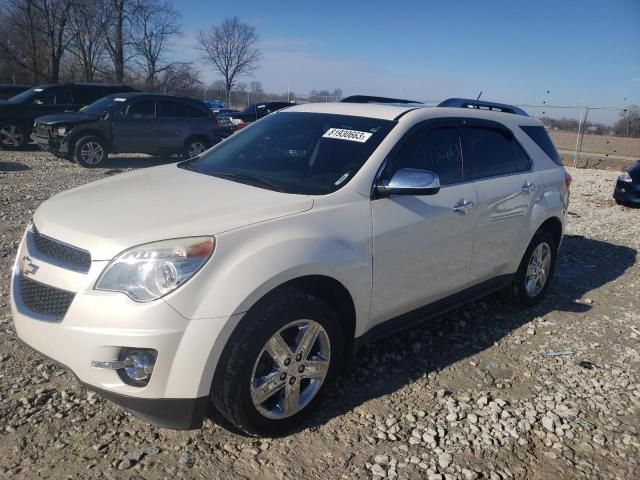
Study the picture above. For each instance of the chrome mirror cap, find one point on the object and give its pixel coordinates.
(410, 181)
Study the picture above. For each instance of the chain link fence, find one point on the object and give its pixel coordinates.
(589, 136)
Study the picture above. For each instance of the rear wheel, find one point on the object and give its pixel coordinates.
(90, 151)
(536, 269)
(195, 147)
(12, 135)
(277, 363)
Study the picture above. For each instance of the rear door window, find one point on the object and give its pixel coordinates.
(171, 109)
(523, 161)
(488, 152)
(434, 149)
(195, 112)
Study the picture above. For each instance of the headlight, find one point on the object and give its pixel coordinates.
(148, 272)
(61, 130)
(625, 177)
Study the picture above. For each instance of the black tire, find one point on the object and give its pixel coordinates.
(517, 291)
(195, 146)
(83, 148)
(232, 383)
(13, 136)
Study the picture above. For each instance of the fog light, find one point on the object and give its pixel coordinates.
(137, 364)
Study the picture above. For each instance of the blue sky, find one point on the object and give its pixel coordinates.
(515, 51)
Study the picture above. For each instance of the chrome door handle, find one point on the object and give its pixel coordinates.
(462, 207)
(528, 187)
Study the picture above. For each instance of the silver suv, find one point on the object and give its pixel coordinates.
(248, 276)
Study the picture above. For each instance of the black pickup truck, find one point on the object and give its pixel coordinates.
(129, 123)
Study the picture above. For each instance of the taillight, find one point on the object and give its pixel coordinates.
(215, 120)
(567, 179)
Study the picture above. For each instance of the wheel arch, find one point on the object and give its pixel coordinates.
(554, 226)
(75, 137)
(324, 287)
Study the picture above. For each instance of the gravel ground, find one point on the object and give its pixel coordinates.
(488, 391)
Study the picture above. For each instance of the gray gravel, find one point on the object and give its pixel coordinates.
(488, 391)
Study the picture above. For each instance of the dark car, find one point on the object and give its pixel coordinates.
(627, 190)
(256, 111)
(18, 113)
(129, 123)
(9, 90)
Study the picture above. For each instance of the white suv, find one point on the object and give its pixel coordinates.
(249, 275)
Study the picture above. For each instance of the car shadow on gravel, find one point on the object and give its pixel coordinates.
(387, 365)
(13, 167)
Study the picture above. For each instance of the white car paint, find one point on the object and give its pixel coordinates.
(392, 254)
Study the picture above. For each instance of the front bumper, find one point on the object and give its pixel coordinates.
(96, 325)
(627, 192)
(50, 142)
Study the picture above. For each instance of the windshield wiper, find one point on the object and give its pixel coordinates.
(248, 178)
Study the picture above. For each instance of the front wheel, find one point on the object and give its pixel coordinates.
(278, 363)
(90, 151)
(12, 136)
(536, 269)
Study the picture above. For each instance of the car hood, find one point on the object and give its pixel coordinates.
(111, 215)
(67, 118)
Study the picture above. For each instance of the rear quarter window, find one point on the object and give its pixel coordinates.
(541, 137)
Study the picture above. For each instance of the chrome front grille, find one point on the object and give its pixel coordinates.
(69, 256)
(44, 299)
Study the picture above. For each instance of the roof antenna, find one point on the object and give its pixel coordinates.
(479, 95)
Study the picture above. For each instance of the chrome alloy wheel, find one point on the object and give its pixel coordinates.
(290, 369)
(11, 136)
(538, 269)
(196, 148)
(92, 153)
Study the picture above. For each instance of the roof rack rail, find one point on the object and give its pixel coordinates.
(370, 99)
(483, 105)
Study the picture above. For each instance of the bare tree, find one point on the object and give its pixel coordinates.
(89, 24)
(232, 48)
(35, 35)
(256, 87)
(116, 36)
(154, 24)
(181, 79)
(55, 15)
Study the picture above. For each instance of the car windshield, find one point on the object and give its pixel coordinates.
(104, 105)
(26, 95)
(295, 152)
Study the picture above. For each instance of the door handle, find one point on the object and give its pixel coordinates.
(462, 207)
(528, 187)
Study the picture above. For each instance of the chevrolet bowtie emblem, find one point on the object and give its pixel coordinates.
(27, 266)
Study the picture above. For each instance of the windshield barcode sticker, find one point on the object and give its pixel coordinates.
(344, 134)
(119, 99)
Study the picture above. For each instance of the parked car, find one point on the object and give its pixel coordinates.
(627, 191)
(129, 123)
(18, 113)
(226, 112)
(256, 111)
(248, 276)
(10, 90)
(214, 105)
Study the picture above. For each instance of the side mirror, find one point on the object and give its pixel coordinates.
(410, 181)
